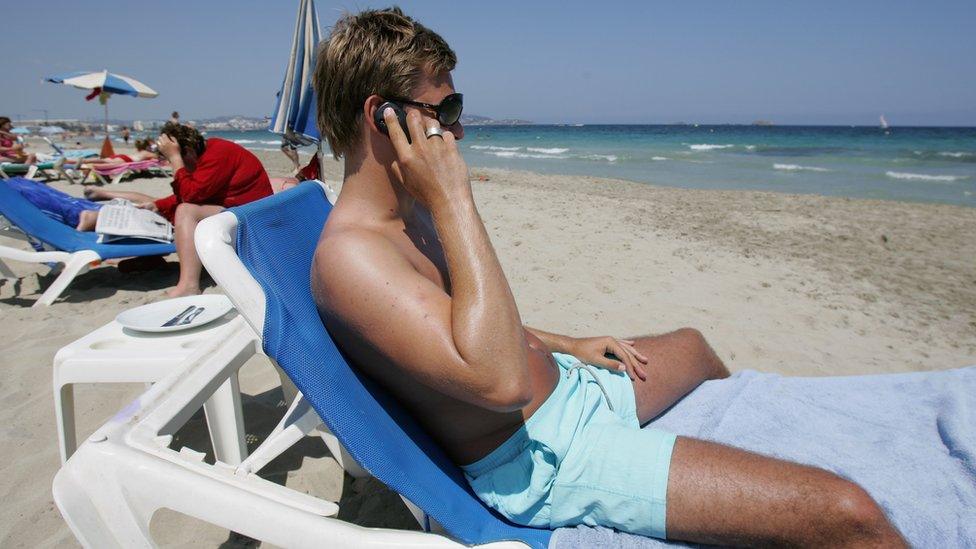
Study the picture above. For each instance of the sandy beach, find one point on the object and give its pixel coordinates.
(800, 285)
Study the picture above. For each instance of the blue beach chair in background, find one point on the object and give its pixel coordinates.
(261, 254)
(62, 244)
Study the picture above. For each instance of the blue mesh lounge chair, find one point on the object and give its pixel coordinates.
(76, 250)
(260, 254)
(275, 240)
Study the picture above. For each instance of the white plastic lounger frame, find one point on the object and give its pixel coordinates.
(109, 489)
(31, 172)
(216, 245)
(114, 354)
(74, 263)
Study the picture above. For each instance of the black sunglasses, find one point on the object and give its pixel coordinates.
(448, 112)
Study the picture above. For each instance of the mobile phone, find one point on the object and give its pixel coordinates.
(400, 114)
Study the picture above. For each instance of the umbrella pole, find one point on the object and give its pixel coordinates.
(107, 149)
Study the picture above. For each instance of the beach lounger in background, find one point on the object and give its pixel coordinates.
(47, 167)
(70, 153)
(30, 171)
(76, 250)
(261, 255)
(115, 174)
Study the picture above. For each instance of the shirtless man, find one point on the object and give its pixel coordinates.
(545, 426)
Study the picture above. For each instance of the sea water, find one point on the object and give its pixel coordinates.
(910, 163)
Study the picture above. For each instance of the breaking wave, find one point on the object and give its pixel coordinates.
(494, 148)
(798, 168)
(513, 154)
(924, 177)
(708, 147)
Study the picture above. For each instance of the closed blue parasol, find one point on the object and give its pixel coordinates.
(294, 114)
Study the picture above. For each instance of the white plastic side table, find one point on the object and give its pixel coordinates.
(114, 354)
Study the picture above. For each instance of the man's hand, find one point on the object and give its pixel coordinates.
(432, 168)
(610, 353)
(168, 146)
(151, 206)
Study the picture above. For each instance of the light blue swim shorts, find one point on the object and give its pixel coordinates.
(581, 458)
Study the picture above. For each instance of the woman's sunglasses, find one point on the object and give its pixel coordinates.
(448, 112)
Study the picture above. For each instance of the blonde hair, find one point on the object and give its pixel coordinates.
(381, 52)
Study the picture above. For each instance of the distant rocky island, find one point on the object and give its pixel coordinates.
(225, 123)
(475, 120)
(244, 123)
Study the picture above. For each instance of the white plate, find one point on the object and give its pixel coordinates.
(181, 313)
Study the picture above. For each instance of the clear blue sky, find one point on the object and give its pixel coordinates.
(828, 62)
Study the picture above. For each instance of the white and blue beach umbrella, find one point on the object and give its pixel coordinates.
(20, 130)
(108, 82)
(103, 85)
(294, 113)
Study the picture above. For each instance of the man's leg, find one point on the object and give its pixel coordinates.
(95, 193)
(292, 155)
(722, 495)
(677, 363)
(87, 219)
(186, 220)
(725, 496)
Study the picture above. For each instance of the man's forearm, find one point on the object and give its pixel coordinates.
(485, 321)
(555, 342)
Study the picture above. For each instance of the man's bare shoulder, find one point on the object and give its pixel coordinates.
(346, 253)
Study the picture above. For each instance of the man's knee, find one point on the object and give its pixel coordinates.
(696, 343)
(854, 515)
(692, 336)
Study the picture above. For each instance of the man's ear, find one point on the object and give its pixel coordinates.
(372, 103)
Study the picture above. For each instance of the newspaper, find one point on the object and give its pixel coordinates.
(120, 219)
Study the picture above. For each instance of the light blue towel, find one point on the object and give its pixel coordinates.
(908, 439)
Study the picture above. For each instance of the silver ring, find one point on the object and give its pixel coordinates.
(434, 130)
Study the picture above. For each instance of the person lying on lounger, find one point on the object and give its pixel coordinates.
(12, 150)
(208, 176)
(72, 211)
(144, 151)
(545, 426)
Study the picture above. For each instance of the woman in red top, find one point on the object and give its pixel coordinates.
(209, 176)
